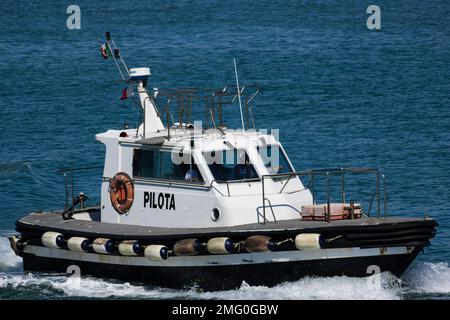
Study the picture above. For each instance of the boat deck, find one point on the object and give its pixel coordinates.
(45, 221)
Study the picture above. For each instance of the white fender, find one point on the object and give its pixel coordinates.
(103, 246)
(309, 241)
(156, 252)
(220, 245)
(129, 248)
(78, 244)
(52, 239)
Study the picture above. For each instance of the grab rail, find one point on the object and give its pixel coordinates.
(191, 185)
(187, 100)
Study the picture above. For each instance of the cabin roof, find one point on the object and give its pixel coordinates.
(205, 139)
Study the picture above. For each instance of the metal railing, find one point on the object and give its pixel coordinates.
(213, 101)
(313, 174)
(70, 199)
(328, 173)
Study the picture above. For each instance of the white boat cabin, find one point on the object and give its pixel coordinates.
(185, 175)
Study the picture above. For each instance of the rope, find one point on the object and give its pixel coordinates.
(238, 245)
(335, 238)
(284, 241)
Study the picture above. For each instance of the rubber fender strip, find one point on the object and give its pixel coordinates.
(362, 236)
(422, 237)
(412, 244)
(39, 229)
(391, 227)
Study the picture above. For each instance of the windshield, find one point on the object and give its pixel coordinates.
(229, 165)
(274, 159)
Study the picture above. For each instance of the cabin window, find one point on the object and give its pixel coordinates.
(274, 159)
(229, 165)
(165, 165)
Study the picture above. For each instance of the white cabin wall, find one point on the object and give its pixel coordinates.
(112, 166)
(110, 140)
(192, 207)
(108, 214)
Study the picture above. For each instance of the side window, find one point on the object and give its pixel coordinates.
(159, 165)
(146, 163)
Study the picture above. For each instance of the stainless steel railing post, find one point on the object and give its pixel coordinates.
(385, 196)
(67, 192)
(145, 111)
(264, 200)
(378, 194)
(313, 184)
(328, 198)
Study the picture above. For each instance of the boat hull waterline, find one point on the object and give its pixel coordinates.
(227, 272)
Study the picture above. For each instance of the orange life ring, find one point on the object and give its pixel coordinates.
(121, 192)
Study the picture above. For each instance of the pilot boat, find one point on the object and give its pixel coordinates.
(187, 203)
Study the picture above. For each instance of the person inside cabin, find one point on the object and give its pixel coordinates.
(191, 175)
(244, 170)
(191, 172)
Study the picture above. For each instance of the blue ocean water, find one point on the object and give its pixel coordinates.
(340, 94)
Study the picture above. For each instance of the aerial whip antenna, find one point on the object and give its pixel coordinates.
(112, 50)
(239, 93)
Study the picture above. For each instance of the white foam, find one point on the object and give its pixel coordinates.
(307, 288)
(61, 286)
(8, 259)
(335, 288)
(428, 277)
(98, 288)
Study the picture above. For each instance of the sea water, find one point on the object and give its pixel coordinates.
(342, 95)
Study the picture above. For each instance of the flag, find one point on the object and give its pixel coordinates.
(105, 51)
(127, 92)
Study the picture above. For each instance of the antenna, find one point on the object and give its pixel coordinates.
(239, 93)
(115, 53)
(212, 118)
(135, 76)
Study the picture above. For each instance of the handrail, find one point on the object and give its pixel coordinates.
(191, 185)
(329, 172)
(69, 181)
(264, 215)
(68, 170)
(273, 206)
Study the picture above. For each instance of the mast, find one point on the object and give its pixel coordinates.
(139, 76)
(152, 121)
